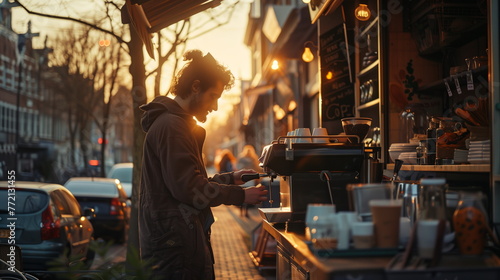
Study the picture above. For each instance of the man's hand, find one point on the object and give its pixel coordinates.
(255, 195)
(237, 175)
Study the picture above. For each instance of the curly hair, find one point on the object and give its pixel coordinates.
(203, 68)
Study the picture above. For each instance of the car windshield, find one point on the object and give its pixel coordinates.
(26, 201)
(92, 188)
(122, 174)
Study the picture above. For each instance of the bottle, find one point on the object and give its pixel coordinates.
(445, 135)
(470, 224)
(431, 141)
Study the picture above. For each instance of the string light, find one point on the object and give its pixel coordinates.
(362, 12)
(308, 55)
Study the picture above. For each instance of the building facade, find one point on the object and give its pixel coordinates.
(36, 136)
(284, 92)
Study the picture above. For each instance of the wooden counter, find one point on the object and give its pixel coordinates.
(293, 248)
(296, 261)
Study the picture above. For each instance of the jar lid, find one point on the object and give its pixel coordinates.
(432, 181)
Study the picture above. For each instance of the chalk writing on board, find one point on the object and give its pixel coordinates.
(337, 91)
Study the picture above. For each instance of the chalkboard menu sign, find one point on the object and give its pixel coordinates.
(337, 92)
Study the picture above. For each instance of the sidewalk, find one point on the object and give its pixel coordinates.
(231, 242)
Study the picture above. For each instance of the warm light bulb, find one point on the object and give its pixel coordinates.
(275, 65)
(307, 55)
(362, 12)
(306, 1)
(329, 75)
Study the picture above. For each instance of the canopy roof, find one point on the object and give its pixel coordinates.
(150, 16)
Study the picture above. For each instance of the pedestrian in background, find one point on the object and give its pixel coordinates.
(226, 161)
(175, 193)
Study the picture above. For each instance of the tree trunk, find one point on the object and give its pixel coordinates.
(139, 97)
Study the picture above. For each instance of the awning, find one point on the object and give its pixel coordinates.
(317, 8)
(296, 34)
(254, 103)
(290, 42)
(150, 16)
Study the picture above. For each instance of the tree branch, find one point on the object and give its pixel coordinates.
(118, 38)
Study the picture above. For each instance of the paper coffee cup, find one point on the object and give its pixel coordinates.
(386, 217)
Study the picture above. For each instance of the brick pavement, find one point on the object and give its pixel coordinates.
(231, 244)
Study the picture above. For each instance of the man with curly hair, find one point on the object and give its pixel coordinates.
(176, 194)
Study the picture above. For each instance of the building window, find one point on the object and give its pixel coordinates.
(2, 117)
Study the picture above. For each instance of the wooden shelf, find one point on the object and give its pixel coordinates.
(439, 84)
(369, 104)
(368, 68)
(444, 168)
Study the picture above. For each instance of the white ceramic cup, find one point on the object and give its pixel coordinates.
(427, 233)
(324, 232)
(316, 210)
(345, 220)
(288, 140)
(404, 230)
(325, 227)
(303, 131)
(320, 131)
(293, 133)
(362, 235)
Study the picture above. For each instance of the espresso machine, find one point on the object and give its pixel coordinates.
(311, 173)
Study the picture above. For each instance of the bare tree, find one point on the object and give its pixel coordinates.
(75, 90)
(88, 69)
(171, 41)
(108, 64)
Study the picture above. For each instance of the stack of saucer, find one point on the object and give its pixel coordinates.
(397, 148)
(479, 152)
(409, 157)
(460, 156)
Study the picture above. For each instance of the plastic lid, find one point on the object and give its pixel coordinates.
(432, 181)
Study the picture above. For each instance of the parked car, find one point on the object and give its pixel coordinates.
(109, 201)
(123, 172)
(46, 222)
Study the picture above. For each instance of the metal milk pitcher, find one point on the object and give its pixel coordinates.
(408, 192)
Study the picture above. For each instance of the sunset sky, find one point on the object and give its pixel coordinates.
(224, 43)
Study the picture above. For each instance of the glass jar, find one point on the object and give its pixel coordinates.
(421, 151)
(413, 122)
(470, 224)
(432, 199)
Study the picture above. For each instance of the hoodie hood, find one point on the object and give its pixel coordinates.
(159, 106)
